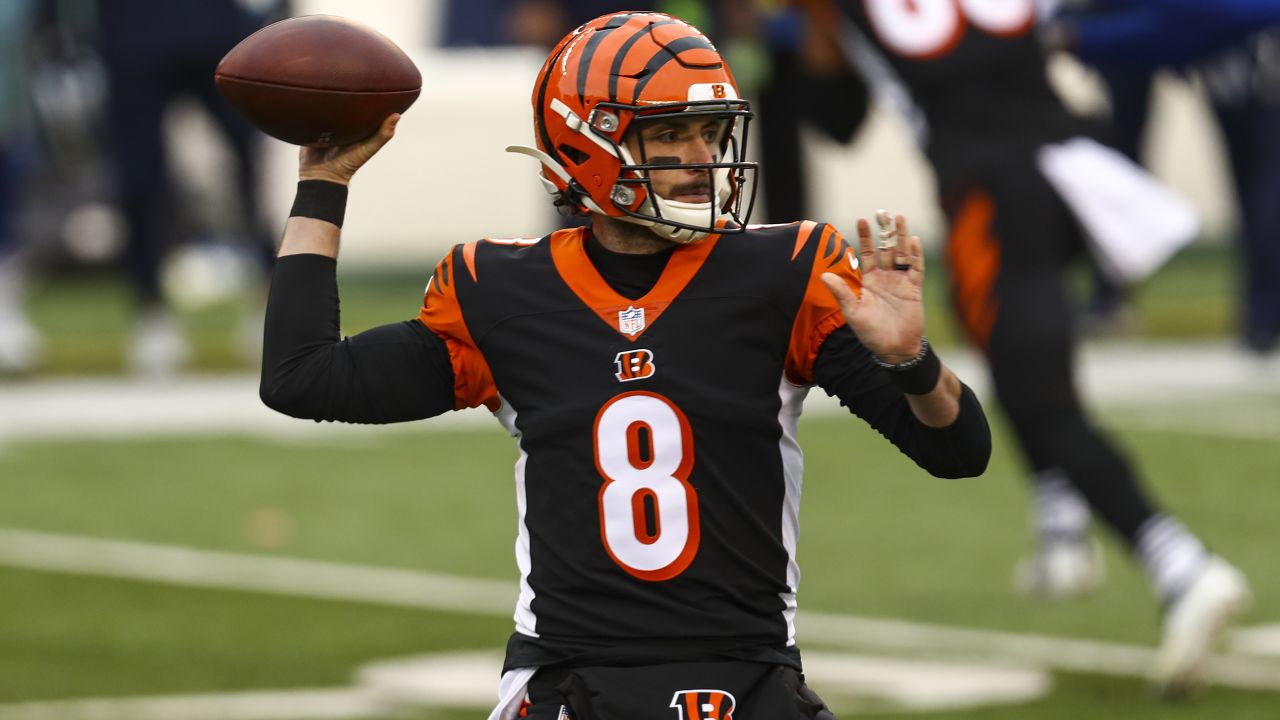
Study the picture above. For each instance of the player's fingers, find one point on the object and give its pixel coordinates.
(388, 127)
(903, 254)
(917, 251)
(866, 246)
(841, 290)
(911, 257)
(386, 131)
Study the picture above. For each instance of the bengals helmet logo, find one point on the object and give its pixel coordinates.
(703, 705)
(634, 365)
(717, 91)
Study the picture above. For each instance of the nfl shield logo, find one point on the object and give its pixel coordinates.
(631, 320)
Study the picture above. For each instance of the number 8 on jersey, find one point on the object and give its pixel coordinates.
(648, 509)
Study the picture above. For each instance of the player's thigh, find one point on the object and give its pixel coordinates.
(1010, 243)
(675, 691)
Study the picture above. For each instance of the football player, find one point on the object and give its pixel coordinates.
(971, 77)
(651, 367)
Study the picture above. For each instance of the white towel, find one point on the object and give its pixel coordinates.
(1134, 223)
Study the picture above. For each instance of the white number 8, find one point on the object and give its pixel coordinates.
(924, 29)
(648, 509)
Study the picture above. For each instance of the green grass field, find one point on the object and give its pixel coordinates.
(879, 538)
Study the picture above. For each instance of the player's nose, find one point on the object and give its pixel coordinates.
(697, 151)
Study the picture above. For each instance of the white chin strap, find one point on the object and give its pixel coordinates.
(682, 212)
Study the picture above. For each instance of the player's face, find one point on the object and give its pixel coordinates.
(679, 141)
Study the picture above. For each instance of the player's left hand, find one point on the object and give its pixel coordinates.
(888, 315)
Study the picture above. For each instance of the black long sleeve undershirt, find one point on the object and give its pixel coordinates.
(402, 372)
(391, 373)
(845, 369)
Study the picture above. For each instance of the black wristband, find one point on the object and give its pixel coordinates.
(917, 376)
(321, 200)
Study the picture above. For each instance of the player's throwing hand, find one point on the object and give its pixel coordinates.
(339, 164)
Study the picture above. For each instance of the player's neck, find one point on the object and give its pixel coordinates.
(624, 237)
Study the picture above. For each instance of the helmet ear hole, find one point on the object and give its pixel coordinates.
(573, 154)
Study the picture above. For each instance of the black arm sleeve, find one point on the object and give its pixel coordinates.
(844, 368)
(388, 374)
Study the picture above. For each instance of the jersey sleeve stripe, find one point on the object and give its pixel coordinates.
(802, 237)
(469, 257)
(442, 313)
(819, 313)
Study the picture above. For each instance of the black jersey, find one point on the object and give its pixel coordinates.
(970, 73)
(658, 483)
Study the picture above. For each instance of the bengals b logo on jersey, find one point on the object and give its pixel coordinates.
(634, 365)
(703, 705)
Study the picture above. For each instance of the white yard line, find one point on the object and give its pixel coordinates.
(1083, 656)
(1261, 640)
(1111, 374)
(469, 680)
(407, 588)
(318, 704)
(175, 565)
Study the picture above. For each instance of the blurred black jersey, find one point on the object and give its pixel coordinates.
(970, 75)
(659, 475)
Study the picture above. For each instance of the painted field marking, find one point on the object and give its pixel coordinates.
(176, 565)
(469, 680)
(409, 588)
(1263, 640)
(1113, 374)
(318, 704)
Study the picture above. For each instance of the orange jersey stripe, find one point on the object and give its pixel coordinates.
(802, 237)
(472, 380)
(974, 255)
(570, 257)
(469, 257)
(819, 314)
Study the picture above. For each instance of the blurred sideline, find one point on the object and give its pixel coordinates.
(446, 179)
(1131, 376)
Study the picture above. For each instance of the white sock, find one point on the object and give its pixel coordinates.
(1060, 510)
(1170, 554)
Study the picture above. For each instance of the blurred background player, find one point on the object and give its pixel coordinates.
(470, 23)
(971, 79)
(1233, 50)
(156, 54)
(19, 342)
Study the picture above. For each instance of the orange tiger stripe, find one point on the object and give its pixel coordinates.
(819, 313)
(806, 229)
(441, 313)
(469, 257)
(974, 255)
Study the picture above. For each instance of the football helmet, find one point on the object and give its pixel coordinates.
(620, 70)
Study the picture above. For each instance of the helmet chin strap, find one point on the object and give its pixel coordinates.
(682, 212)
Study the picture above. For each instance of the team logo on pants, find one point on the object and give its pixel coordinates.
(703, 705)
(634, 365)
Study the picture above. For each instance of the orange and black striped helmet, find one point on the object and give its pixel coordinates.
(629, 66)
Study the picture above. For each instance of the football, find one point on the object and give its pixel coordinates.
(318, 80)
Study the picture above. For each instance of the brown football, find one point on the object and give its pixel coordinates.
(318, 80)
